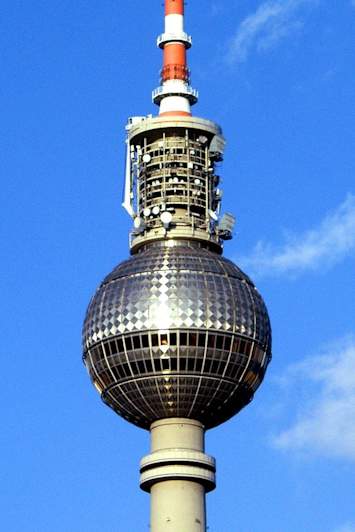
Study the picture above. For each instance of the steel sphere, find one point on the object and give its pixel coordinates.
(177, 331)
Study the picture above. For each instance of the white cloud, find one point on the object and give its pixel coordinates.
(271, 22)
(324, 246)
(325, 388)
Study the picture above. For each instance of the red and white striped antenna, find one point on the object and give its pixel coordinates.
(175, 95)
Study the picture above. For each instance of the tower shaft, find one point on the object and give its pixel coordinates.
(178, 505)
(177, 474)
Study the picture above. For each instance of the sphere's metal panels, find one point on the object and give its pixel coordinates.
(177, 331)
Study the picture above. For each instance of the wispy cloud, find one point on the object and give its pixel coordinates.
(324, 246)
(217, 8)
(325, 388)
(347, 527)
(263, 29)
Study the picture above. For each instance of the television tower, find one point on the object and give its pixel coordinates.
(177, 338)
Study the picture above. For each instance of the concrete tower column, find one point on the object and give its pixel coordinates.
(177, 474)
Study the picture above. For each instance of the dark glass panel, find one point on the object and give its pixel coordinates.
(155, 340)
(183, 363)
(116, 373)
(120, 345)
(136, 342)
(235, 348)
(128, 342)
(227, 343)
(113, 347)
(106, 378)
(201, 340)
(141, 366)
(208, 363)
(193, 339)
(211, 341)
(214, 367)
(149, 365)
(199, 363)
(145, 340)
(125, 370)
(134, 367)
(219, 342)
(165, 363)
(183, 338)
(191, 364)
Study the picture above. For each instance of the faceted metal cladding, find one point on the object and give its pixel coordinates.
(177, 331)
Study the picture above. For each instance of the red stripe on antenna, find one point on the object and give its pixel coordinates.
(174, 66)
(174, 7)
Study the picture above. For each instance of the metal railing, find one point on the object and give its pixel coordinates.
(162, 91)
(179, 37)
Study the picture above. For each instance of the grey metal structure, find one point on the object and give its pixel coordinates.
(177, 338)
(177, 331)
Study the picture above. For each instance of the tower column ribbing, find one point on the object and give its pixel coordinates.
(177, 474)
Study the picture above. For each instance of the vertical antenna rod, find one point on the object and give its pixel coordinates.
(174, 96)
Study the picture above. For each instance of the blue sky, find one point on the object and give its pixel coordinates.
(278, 76)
